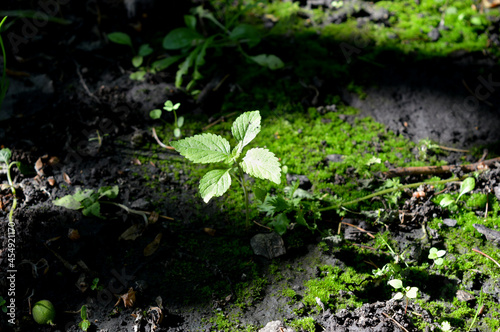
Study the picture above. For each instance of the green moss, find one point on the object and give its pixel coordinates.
(304, 324)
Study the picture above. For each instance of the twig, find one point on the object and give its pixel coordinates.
(85, 87)
(429, 170)
(452, 149)
(485, 255)
(160, 142)
(262, 225)
(359, 228)
(395, 322)
(222, 118)
(474, 95)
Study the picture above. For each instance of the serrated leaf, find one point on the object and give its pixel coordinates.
(109, 191)
(398, 296)
(155, 114)
(246, 127)
(262, 164)
(68, 202)
(204, 148)
(5, 155)
(467, 186)
(93, 209)
(214, 184)
(120, 38)
(412, 293)
(396, 283)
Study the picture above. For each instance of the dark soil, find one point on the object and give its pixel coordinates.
(68, 81)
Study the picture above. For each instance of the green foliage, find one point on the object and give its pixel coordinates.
(466, 186)
(84, 324)
(409, 292)
(145, 50)
(437, 255)
(95, 285)
(3, 304)
(87, 200)
(170, 107)
(4, 83)
(194, 45)
(210, 148)
(5, 155)
(304, 324)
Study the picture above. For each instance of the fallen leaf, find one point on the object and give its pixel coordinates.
(209, 231)
(39, 166)
(132, 233)
(153, 246)
(73, 234)
(51, 181)
(127, 298)
(66, 178)
(153, 217)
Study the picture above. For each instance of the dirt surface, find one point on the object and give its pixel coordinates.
(78, 83)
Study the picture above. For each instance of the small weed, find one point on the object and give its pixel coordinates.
(437, 255)
(84, 324)
(408, 292)
(95, 285)
(5, 155)
(170, 107)
(3, 304)
(466, 186)
(138, 59)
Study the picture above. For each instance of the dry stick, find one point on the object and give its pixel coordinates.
(160, 142)
(452, 149)
(359, 228)
(482, 253)
(395, 322)
(429, 170)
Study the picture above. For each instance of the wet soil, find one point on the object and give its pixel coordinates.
(73, 83)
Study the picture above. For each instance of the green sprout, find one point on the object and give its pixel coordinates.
(210, 148)
(144, 50)
(170, 107)
(466, 186)
(84, 324)
(5, 155)
(3, 304)
(437, 255)
(95, 285)
(408, 292)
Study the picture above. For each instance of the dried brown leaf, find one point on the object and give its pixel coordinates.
(153, 246)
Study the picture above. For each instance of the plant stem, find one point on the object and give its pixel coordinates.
(4, 83)
(13, 190)
(386, 191)
(245, 192)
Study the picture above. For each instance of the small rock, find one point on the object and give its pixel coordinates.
(497, 192)
(275, 326)
(269, 245)
(464, 296)
(450, 222)
(334, 158)
(434, 35)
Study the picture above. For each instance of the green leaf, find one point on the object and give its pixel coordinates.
(432, 253)
(163, 64)
(180, 38)
(190, 21)
(262, 164)
(93, 209)
(137, 61)
(109, 191)
(204, 148)
(180, 121)
(138, 75)
(270, 61)
(246, 127)
(281, 223)
(398, 296)
(83, 312)
(155, 114)
(145, 50)
(260, 193)
(214, 184)
(80, 195)
(446, 201)
(476, 20)
(177, 132)
(467, 186)
(412, 293)
(451, 10)
(5, 155)
(245, 33)
(68, 201)
(439, 261)
(396, 283)
(185, 65)
(120, 38)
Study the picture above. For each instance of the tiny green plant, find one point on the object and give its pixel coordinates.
(210, 148)
(4, 84)
(95, 285)
(170, 107)
(408, 292)
(138, 59)
(5, 155)
(437, 255)
(84, 324)
(87, 200)
(466, 186)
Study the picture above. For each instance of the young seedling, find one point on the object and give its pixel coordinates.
(210, 148)
(466, 186)
(408, 292)
(437, 255)
(88, 200)
(144, 50)
(5, 155)
(170, 107)
(84, 324)
(3, 304)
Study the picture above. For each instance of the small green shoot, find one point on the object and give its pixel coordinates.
(95, 285)
(408, 292)
(170, 107)
(466, 186)
(479, 306)
(210, 148)
(88, 200)
(4, 83)
(5, 155)
(437, 255)
(84, 324)
(122, 38)
(3, 304)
